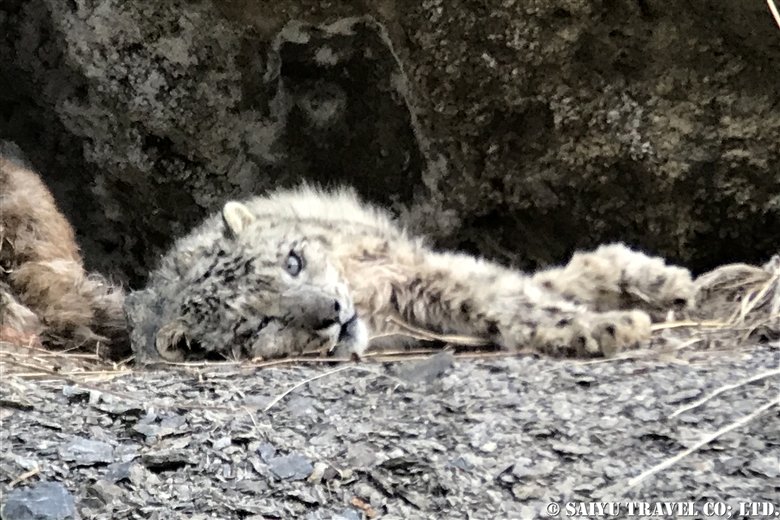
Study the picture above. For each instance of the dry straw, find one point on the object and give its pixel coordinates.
(774, 11)
(742, 421)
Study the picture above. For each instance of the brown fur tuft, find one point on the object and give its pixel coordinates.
(44, 288)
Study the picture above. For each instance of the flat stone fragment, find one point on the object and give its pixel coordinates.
(222, 443)
(646, 415)
(291, 467)
(119, 471)
(570, 449)
(348, 514)
(683, 395)
(106, 492)
(427, 370)
(86, 452)
(768, 466)
(45, 501)
(267, 451)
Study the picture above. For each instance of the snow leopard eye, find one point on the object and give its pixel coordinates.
(293, 264)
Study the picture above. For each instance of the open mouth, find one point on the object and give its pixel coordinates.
(347, 328)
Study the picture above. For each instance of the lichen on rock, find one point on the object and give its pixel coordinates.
(519, 130)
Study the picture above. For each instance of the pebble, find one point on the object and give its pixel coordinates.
(45, 501)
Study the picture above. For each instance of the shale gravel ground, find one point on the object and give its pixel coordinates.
(438, 438)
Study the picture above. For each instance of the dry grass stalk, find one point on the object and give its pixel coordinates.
(749, 304)
(644, 353)
(722, 389)
(703, 324)
(379, 358)
(422, 334)
(703, 442)
(740, 299)
(774, 11)
(27, 360)
(24, 476)
(287, 392)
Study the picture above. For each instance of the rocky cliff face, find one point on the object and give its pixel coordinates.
(517, 129)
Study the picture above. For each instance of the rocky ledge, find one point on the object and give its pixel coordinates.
(520, 130)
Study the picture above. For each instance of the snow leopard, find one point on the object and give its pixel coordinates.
(309, 269)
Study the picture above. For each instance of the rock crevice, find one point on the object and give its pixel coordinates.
(520, 131)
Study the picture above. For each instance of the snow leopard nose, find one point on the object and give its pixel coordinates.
(343, 310)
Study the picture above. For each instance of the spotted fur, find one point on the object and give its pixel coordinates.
(224, 288)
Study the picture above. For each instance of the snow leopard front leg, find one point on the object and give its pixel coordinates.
(615, 277)
(454, 293)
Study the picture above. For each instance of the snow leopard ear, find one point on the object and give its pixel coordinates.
(236, 217)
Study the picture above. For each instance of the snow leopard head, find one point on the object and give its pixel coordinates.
(249, 286)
